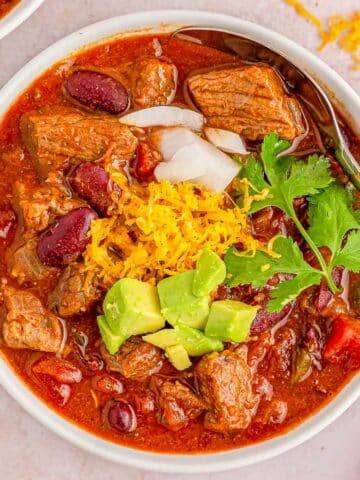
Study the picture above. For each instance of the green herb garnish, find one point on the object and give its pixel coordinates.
(330, 219)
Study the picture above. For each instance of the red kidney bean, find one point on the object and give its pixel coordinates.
(146, 162)
(67, 239)
(60, 393)
(265, 320)
(92, 182)
(97, 91)
(59, 369)
(122, 417)
(324, 295)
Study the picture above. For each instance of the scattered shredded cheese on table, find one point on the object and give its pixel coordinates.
(342, 29)
(160, 229)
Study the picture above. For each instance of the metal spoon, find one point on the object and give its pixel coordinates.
(311, 93)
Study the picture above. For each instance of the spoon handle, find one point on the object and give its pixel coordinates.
(349, 163)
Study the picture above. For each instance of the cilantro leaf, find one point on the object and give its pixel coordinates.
(254, 172)
(288, 290)
(259, 268)
(287, 177)
(276, 168)
(307, 178)
(357, 214)
(331, 217)
(349, 256)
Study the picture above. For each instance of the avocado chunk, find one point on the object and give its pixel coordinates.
(111, 340)
(210, 272)
(178, 357)
(132, 307)
(230, 320)
(179, 304)
(193, 341)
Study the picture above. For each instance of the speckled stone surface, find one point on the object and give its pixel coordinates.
(30, 452)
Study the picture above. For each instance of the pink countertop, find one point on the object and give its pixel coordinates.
(30, 452)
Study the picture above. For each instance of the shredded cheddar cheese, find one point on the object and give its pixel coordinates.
(160, 229)
(344, 30)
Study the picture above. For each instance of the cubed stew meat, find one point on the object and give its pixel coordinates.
(119, 306)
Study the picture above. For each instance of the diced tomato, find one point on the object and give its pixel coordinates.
(343, 344)
(146, 161)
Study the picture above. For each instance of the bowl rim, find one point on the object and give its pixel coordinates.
(18, 15)
(152, 461)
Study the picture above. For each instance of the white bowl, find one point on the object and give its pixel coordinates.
(18, 15)
(133, 24)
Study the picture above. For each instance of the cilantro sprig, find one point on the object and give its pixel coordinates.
(258, 269)
(331, 218)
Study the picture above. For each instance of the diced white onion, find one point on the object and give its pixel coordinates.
(178, 169)
(229, 142)
(166, 116)
(189, 157)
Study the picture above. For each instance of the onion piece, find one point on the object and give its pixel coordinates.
(167, 116)
(178, 168)
(190, 157)
(225, 140)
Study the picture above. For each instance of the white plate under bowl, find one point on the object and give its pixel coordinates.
(18, 15)
(133, 24)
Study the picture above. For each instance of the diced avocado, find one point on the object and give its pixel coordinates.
(230, 320)
(112, 341)
(210, 272)
(179, 304)
(132, 307)
(178, 357)
(194, 341)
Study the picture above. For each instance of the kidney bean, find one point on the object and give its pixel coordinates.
(146, 162)
(59, 369)
(313, 340)
(121, 416)
(91, 362)
(60, 393)
(265, 320)
(97, 91)
(324, 295)
(67, 239)
(92, 182)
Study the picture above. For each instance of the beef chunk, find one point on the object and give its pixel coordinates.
(71, 134)
(136, 359)
(24, 264)
(28, 324)
(153, 82)
(76, 291)
(249, 100)
(225, 383)
(40, 205)
(176, 402)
